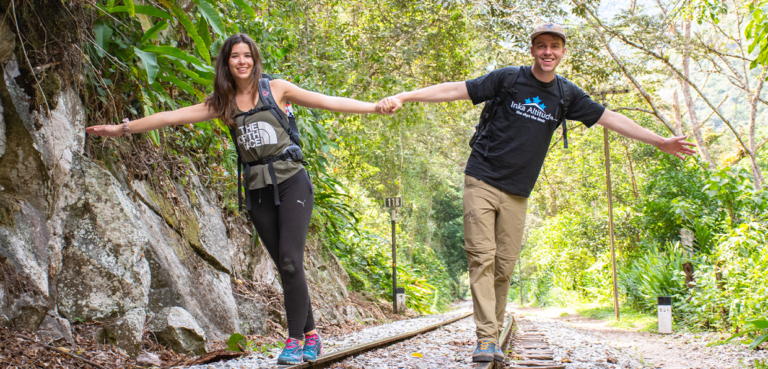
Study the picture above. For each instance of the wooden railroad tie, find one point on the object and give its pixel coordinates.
(534, 350)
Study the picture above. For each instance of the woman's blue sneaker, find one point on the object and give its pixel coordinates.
(313, 347)
(484, 352)
(291, 354)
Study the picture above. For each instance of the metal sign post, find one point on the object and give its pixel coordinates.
(393, 203)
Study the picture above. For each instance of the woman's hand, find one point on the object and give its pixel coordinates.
(112, 130)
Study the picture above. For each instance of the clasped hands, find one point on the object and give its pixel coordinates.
(389, 105)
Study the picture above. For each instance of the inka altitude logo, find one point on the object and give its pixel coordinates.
(533, 109)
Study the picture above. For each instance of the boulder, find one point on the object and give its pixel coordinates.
(175, 328)
(127, 331)
(148, 359)
(103, 273)
(55, 329)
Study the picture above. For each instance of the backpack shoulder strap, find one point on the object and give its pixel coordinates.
(509, 82)
(566, 91)
(239, 165)
(265, 92)
(492, 105)
(566, 94)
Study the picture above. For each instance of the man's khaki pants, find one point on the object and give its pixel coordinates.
(493, 232)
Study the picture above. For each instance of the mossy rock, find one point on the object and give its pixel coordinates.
(8, 207)
(51, 86)
(185, 224)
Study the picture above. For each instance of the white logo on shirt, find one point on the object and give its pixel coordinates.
(257, 134)
(533, 109)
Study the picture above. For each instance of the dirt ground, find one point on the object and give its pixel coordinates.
(675, 351)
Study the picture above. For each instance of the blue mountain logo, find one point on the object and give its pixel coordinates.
(535, 102)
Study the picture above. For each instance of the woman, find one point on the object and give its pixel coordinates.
(281, 214)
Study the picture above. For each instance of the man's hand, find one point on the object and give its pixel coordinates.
(677, 147)
(389, 105)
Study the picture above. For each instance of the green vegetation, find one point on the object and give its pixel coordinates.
(706, 216)
(630, 317)
(694, 230)
(757, 326)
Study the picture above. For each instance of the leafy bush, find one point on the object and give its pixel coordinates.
(728, 222)
(759, 325)
(653, 274)
(733, 289)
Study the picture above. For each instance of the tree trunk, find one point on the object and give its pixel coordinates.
(678, 116)
(687, 96)
(753, 100)
(631, 173)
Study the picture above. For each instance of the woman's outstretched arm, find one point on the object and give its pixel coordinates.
(191, 114)
(286, 91)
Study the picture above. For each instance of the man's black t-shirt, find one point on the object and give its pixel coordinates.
(511, 154)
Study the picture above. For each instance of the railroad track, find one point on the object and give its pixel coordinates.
(531, 349)
(327, 360)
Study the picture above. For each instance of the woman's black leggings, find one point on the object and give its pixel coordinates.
(283, 230)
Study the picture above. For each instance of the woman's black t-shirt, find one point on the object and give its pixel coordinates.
(519, 135)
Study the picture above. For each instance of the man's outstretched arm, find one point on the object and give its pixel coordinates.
(444, 92)
(626, 127)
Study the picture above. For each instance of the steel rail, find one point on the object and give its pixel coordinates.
(506, 334)
(336, 356)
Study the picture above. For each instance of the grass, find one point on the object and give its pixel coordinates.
(629, 318)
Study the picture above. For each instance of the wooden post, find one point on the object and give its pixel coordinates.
(607, 147)
(610, 220)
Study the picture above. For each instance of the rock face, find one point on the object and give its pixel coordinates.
(327, 283)
(24, 238)
(177, 329)
(22, 304)
(79, 242)
(104, 272)
(180, 277)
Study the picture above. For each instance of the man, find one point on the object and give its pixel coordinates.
(506, 160)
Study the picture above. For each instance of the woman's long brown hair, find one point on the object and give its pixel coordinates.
(222, 102)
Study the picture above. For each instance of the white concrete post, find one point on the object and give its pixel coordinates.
(665, 314)
(400, 297)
